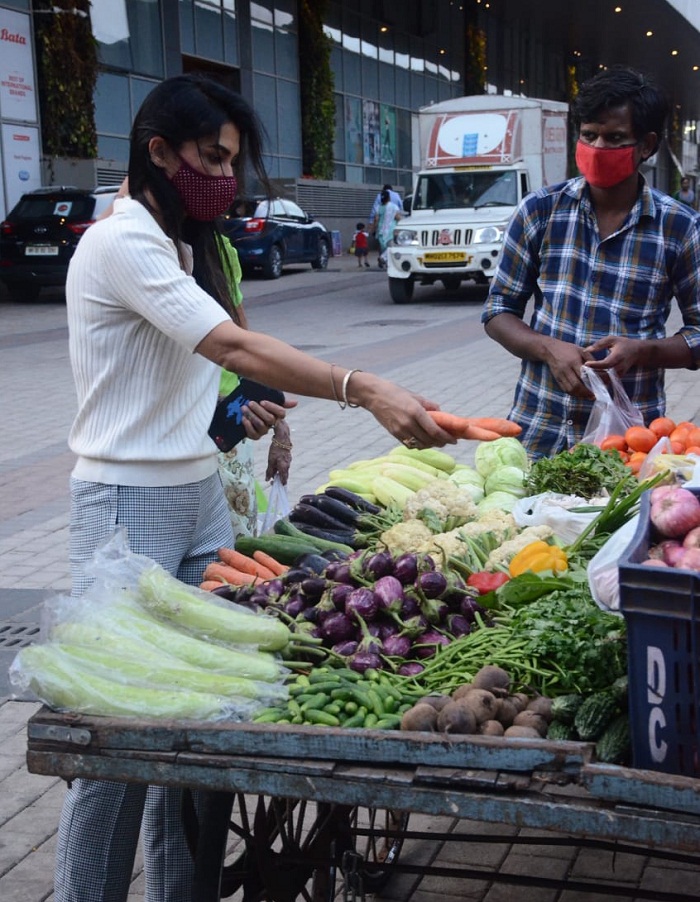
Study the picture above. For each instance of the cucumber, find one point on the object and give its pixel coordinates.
(285, 549)
(284, 527)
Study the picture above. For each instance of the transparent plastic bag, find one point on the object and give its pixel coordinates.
(555, 510)
(110, 652)
(278, 506)
(603, 569)
(613, 413)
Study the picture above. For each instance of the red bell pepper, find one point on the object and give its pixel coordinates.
(485, 581)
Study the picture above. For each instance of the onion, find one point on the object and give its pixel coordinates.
(675, 511)
(689, 559)
(671, 550)
(692, 538)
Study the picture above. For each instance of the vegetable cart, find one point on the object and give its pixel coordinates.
(327, 802)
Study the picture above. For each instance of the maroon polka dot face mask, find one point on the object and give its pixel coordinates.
(205, 196)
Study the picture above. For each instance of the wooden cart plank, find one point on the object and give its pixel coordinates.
(653, 789)
(287, 741)
(576, 816)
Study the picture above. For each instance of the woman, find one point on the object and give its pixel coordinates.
(151, 325)
(385, 221)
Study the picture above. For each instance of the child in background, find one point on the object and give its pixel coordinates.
(361, 242)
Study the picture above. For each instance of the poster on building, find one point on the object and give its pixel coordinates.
(20, 151)
(17, 87)
(353, 130)
(371, 133)
(387, 116)
(3, 206)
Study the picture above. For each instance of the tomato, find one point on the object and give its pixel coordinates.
(614, 442)
(662, 426)
(639, 438)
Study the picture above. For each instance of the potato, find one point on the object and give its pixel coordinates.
(491, 728)
(437, 701)
(541, 705)
(461, 691)
(457, 717)
(483, 703)
(420, 717)
(507, 712)
(531, 719)
(492, 678)
(521, 733)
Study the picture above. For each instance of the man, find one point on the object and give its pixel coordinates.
(686, 193)
(394, 197)
(602, 256)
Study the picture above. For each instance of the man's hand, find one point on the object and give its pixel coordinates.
(624, 353)
(565, 361)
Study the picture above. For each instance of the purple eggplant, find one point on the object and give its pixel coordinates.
(339, 572)
(426, 644)
(313, 587)
(406, 568)
(411, 668)
(338, 627)
(457, 625)
(410, 607)
(426, 562)
(435, 610)
(377, 565)
(397, 646)
(431, 583)
(346, 648)
(361, 603)
(469, 607)
(295, 605)
(339, 594)
(386, 628)
(389, 593)
(362, 662)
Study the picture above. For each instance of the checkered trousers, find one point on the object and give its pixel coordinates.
(180, 527)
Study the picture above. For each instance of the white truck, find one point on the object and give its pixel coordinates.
(480, 155)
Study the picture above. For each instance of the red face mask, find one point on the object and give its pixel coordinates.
(604, 167)
(205, 196)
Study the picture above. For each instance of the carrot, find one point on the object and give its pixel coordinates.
(244, 563)
(266, 560)
(496, 424)
(460, 427)
(230, 575)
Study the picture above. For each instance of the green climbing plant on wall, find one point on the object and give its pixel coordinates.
(316, 90)
(67, 69)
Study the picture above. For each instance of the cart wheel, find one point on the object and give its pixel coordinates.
(291, 848)
(378, 835)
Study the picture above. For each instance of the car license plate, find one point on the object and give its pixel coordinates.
(445, 257)
(41, 250)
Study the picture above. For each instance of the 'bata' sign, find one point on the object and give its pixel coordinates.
(17, 88)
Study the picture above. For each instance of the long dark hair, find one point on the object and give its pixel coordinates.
(188, 108)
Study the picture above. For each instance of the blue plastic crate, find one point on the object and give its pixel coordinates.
(661, 607)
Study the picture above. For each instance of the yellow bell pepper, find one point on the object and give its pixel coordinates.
(539, 556)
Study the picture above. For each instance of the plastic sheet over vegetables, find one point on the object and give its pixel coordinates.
(106, 653)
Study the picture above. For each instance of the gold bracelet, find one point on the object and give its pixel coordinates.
(335, 393)
(346, 380)
(286, 446)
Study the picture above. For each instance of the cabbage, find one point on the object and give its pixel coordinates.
(465, 475)
(506, 479)
(503, 452)
(500, 501)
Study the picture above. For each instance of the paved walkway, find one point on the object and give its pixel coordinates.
(438, 349)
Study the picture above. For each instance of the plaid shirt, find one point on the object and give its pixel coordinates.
(584, 289)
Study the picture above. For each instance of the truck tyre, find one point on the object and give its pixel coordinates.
(401, 290)
(451, 283)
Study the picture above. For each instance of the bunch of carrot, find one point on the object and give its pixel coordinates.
(237, 569)
(480, 429)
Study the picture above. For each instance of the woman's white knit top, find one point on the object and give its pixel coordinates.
(145, 400)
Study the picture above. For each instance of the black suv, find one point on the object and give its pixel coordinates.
(40, 234)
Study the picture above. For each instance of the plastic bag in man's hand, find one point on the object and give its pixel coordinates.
(613, 413)
(278, 505)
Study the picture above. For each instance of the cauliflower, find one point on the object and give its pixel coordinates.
(443, 543)
(500, 557)
(442, 504)
(498, 522)
(406, 536)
